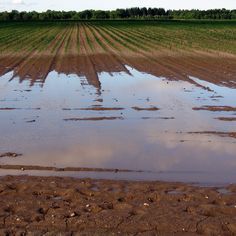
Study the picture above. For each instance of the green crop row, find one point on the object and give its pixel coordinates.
(133, 36)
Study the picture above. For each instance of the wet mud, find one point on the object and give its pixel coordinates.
(94, 118)
(221, 134)
(10, 154)
(119, 90)
(52, 205)
(215, 108)
(226, 118)
(145, 109)
(65, 169)
(172, 67)
(95, 109)
(134, 121)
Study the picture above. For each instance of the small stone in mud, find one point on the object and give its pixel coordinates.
(73, 214)
(10, 154)
(30, 121)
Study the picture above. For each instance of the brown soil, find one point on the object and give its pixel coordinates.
(89, 65)
(158, 118)
(10, 154)
(215, 108)
(66, 206)
(49, 168)
(13, 108)
(95, 109)
(87, 50)
(145, 109)
(8, 109)
(226, 118)
(94, 118)
(222, 134)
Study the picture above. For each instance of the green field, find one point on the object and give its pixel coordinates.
(81, 37)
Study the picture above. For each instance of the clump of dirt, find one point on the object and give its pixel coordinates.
(222, 134)
(30, 121)
(13, 108)
(8, 109)
(98, 100)
(153, 108)
(158, 118)
(10, 154)
(67, 206)
(95, 108)
(226, 118)
(94, 118)
(102, 109)
(215, 108)
(216, 96)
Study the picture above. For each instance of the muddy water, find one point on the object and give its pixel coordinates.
(133, 121)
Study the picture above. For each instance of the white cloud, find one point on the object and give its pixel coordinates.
(18, 2)
(43, 5)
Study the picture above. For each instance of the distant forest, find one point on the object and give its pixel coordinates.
(130, 13)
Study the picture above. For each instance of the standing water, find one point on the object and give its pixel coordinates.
(155, 128)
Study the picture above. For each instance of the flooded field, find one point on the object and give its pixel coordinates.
(122, 127)
(128, 124)
(130, 100)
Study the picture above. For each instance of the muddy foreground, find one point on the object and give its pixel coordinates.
(66, 206)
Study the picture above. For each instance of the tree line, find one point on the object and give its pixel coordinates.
(130, 13)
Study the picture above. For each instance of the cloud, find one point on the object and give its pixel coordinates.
(18, 2)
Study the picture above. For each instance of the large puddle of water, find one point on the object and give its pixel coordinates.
(69, 123)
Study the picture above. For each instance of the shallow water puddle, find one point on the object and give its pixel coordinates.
(133, 121)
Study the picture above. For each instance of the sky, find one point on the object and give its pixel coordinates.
(78, 5)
